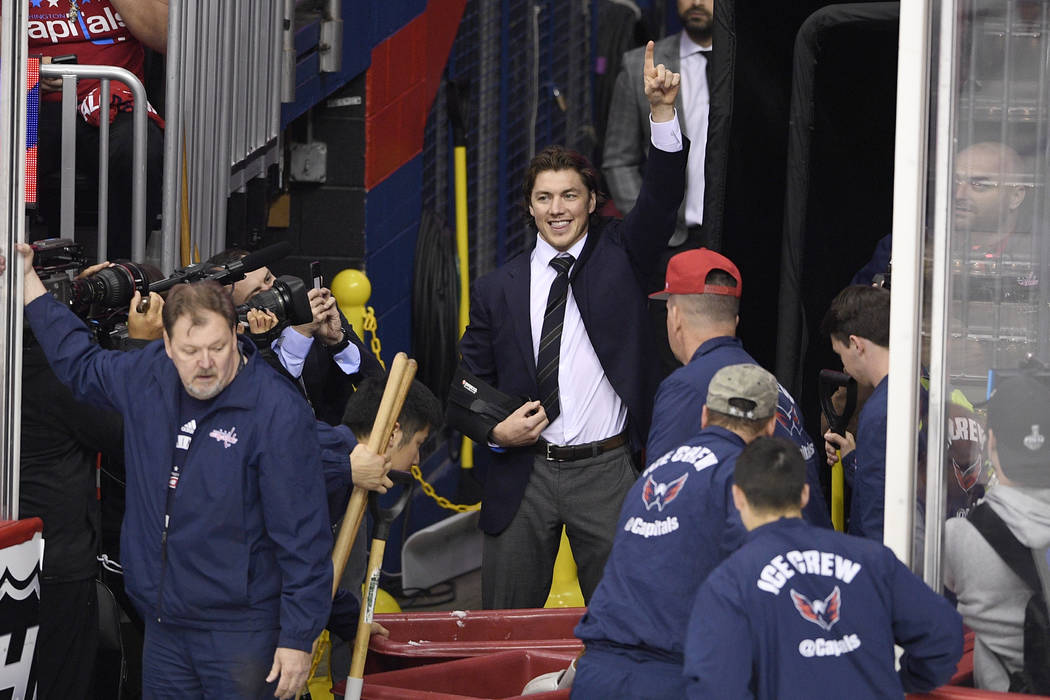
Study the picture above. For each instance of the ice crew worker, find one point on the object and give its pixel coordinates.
(804, 612)
(703, 289)
(225, 540)
(858, 323)
(678, 522)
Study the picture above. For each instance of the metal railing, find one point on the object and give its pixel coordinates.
(69, 75)
(229, 66)
(13, 58)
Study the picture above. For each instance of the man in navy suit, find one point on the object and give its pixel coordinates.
(562, 329)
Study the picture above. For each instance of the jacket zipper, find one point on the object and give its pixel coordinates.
(171, 516)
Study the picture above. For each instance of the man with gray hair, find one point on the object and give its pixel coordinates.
(225, 538)
(677, 524)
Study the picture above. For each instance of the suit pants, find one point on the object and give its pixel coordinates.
(585, 496)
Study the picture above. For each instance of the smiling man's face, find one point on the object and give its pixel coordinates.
(561, 205)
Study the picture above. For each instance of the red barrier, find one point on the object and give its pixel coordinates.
(20, 549)
(964, 669)
(432, 637)
(502, 675)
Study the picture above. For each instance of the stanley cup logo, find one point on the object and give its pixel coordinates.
(1033, 440)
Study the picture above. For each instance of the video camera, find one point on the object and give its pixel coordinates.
(287, 300)
(57, 261)
(103, 298)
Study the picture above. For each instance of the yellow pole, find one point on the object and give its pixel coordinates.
(460, 160)
(838, 511)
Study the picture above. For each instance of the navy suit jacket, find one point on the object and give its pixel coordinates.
(609, 285)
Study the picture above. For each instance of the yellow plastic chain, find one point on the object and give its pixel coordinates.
(368, 323)
(441, 500)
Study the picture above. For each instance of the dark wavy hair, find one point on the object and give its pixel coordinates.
(562, 158)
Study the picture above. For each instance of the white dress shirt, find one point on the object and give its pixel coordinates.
(696, 103)
(590, 408)
(292, 348)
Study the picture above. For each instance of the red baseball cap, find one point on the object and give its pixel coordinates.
(687, 274)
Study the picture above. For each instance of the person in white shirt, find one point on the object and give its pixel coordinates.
(562, 329)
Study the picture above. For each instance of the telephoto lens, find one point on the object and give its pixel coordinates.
(112, 287)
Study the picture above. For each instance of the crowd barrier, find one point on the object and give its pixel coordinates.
(105, 74)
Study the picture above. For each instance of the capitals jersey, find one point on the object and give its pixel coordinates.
(804, 612)
(677, 523)
(93, 30)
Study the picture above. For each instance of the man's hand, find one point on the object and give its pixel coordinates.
(330, 330)
(3, 264)
(523, 427)
(843, 443)
(93, 269)
(661, 87)
(319, 306)
(149, 324)
(293, 667)
(368, 469)
(49, 84)
(260, 321)
(380, 630)
(32, 287)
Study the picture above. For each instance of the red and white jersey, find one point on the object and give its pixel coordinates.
(91, 29)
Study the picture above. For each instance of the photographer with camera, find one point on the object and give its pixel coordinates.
(61, 439)
(229, 566)
(326, 370)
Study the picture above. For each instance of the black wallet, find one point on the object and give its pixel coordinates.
(480, 398)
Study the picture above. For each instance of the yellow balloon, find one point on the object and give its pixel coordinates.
(351, 288)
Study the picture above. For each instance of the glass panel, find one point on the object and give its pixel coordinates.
(994, 216)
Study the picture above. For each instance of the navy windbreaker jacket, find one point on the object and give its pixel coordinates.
(677, 523)
(804, 612)
(865, 467)
(676, 414)
(248, 542)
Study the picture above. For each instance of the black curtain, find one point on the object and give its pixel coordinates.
(839, 184)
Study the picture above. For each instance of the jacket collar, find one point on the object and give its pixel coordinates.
(712, 344)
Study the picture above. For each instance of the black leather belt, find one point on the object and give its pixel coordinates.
(571, 453)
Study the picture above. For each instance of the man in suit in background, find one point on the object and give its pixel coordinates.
(627, 140)
(565, 325)
(627, 134)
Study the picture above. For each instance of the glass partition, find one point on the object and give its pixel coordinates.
(985, 295)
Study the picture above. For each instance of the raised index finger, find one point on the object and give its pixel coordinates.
(650, 68)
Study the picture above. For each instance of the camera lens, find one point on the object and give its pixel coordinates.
(112, 287)
(287, 300)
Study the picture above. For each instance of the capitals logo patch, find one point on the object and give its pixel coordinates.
(823, 613)
(659, 494)
(228, 438)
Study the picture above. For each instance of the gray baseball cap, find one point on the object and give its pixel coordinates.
(743, 391)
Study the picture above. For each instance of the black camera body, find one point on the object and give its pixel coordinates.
(287, 299)
(101, 299)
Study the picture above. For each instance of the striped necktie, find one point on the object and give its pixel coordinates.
(550, 336)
